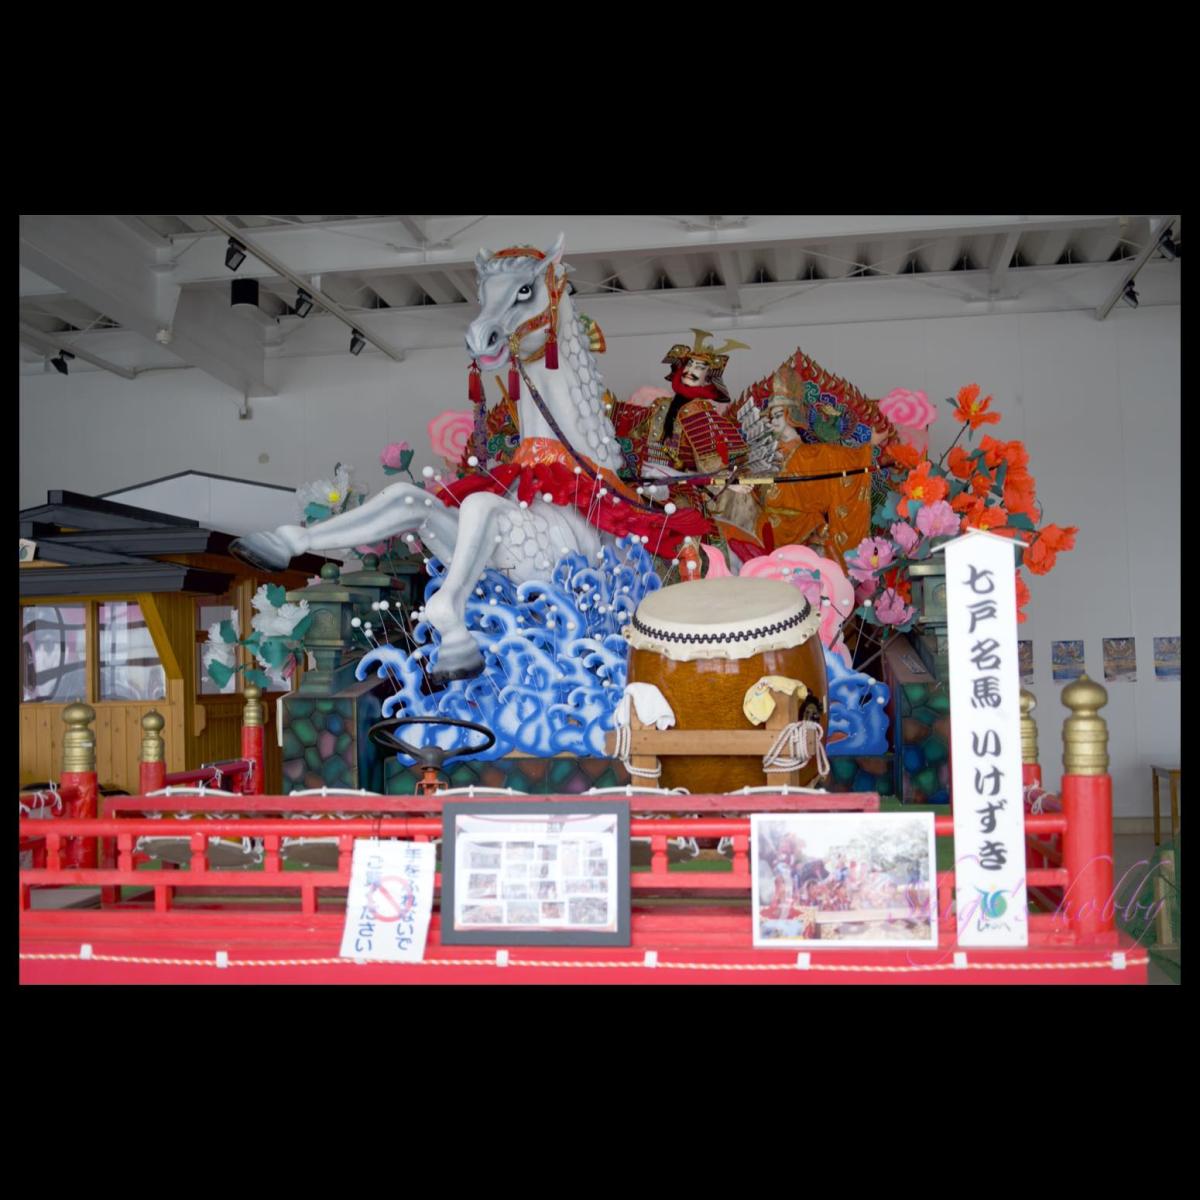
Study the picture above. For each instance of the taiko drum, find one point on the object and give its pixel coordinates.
(704, 644)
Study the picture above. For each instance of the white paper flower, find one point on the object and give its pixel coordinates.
(275, 622)
(216, 649)
(336, 494)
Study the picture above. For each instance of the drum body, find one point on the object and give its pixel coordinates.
(704, 645)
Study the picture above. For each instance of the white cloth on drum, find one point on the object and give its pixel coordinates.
(649, 703)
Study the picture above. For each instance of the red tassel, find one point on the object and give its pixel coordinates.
(552, 352)
(514, 382)
(474, 385)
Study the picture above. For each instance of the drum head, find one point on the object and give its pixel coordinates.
(722, 618)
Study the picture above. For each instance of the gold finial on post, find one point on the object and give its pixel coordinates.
(1029, 746)
(1085, 732)
(252, 714)
(152, 742)
(79, 742)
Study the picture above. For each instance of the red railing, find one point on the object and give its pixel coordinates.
(1060, 926)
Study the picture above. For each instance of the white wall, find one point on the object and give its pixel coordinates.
(1097, 403)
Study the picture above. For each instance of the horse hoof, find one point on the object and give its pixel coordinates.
(265, 551)
(465, 664)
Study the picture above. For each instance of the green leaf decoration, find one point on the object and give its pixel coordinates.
(302, 627)
(220, 674)
(251, 643)
(314, 512)
(1001, 472)
(228, 633)
(276, 595)
(392, 470)
(1021, 521)
(406, 457)
(274, 651)
(258, 678)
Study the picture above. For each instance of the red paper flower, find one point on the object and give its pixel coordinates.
(923, 487)
(1020, 492)
(961, 463)
(1049, 543)
(973, 411)
(1023, 598)
(906, 456)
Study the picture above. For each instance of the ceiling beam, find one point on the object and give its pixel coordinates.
(731, 273)
(100, 262)
(416, 230)
(437, 287)
(1158, 226)
(385, 245)
(267, 259)
(49, 342)
(465, 284)
(1000, 262)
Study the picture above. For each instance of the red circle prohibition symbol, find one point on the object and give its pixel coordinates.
(380, 899)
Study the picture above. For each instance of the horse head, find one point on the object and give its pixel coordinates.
(519, 290)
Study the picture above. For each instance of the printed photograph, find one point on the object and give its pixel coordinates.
(1067, 660)
(517, 873)
(522, 914)
(588, 911)
(856, 879)
(1025, 660)
(1120, 660)
(481, 914)
(1167, 661)
(482, 887)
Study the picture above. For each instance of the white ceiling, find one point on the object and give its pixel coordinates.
(141, 293)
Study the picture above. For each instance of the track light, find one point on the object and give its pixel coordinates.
(59, 362)
(1130, 295)
(357, 342)
(235, 255)
(1168, 246)
(303, 305)
(243, 294)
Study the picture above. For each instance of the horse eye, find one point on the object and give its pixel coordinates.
(524, 292)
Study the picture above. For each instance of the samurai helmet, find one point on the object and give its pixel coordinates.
(713, 357)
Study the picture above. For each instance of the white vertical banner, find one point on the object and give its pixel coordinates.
(390, 900)
(985, 741)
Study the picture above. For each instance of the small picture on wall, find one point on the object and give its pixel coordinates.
(1025, 660)
(1167, 658)
(1120, 660)
(1067, 660)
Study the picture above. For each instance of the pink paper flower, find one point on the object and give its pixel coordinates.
(391, 455)
(869, 556)
(891, 610)
(937, 519)
(449, 434)
(905, 536)
(908, 410)
(378, 548)
(865, 591)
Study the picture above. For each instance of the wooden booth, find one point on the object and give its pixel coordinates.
(116, 603)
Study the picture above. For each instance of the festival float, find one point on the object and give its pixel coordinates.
(670, 654)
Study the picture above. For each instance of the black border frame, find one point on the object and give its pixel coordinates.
(559, 936)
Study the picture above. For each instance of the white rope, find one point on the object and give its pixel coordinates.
(201, 790)
(795, 747)
(624, 750)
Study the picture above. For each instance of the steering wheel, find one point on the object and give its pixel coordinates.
(427, 756)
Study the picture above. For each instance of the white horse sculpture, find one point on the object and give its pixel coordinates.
(520, 291)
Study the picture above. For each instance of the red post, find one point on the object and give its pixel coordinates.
(79, 786)
(1088, 853)
(1087, 847)
(152, 766)
(253, 782)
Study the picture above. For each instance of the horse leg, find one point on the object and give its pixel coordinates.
(400, 508)
(458, 656)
